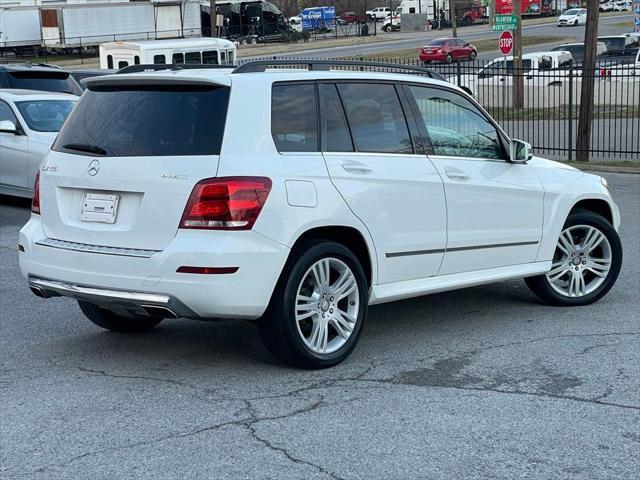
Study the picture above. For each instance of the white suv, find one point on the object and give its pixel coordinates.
(297, 198)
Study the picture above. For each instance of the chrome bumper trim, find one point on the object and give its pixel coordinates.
(137, 302)
(84, 247)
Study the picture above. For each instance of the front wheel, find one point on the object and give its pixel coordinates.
(449, 58)
(318, 308)
(585, 265)
(473, 56)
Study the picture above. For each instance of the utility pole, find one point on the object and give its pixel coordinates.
(587, 81)
(452, 14)
(214, 18)
(518, 73)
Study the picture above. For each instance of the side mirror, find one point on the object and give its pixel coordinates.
(519, 151)
(7, 126)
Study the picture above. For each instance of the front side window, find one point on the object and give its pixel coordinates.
(178, 58)
(294, 117)
(45, 115)
(376, 118)
(455, 126)
(7, 114)
(109, 61)
(210, 57)
(123, 63)
(159, 59)
(130, 121)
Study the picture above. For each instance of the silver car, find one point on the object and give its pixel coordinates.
(29, 123)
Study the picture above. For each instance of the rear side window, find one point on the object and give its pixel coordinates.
(141, 121)
(376, 118)
(178, 58)
(159, 59)
(210, 57)
(48, 81)
(192, 57)
(294, 117)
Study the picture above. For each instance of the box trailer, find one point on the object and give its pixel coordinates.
(82, 25)
(318, 18)
(19, 28)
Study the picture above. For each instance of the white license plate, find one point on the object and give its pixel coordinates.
(99, 208)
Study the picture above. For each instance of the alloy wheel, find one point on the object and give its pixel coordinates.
(327, 305)
(581, 262)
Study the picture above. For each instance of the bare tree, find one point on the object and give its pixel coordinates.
(587, 81)
(452, 14)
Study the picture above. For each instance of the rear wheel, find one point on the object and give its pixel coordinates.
(585, 265)
(318, 308)
(473, 56)
(449, 58)
(116, 323)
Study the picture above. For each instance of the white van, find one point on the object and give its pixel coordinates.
(216, 51)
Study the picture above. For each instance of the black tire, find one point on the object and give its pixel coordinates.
(449, 58)
(278, 327)
(541, 286)
(110, 321)
(473, 56)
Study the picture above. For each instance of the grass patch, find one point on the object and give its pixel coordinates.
(484, 46)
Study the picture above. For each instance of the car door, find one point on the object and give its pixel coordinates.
(383, 177)
(13, 151)
(494, 207)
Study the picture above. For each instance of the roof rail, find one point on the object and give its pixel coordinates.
(254, 66)
(154, 67)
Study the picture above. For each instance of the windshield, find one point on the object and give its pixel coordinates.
(147, 120)
(45, 115)
(571, 12)
(49, 81)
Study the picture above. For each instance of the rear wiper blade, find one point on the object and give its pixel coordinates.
(85, 147)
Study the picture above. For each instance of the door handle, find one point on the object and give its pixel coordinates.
(356, 167)
(455, 174)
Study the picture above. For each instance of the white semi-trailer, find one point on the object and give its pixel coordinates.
(19, 28)
(74, 26)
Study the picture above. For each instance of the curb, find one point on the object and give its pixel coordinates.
(604, 168)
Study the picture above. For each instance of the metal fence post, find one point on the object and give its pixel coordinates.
(459, 73)
(570, 112)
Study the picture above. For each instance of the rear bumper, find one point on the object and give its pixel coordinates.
(152, 281)
(433, 57)
(142, 303)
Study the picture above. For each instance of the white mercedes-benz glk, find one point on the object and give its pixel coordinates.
(298, 197)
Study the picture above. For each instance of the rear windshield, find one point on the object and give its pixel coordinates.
(438, 41)
(146, 121)
(45, 81)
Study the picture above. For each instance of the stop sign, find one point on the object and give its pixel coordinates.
(505, 42)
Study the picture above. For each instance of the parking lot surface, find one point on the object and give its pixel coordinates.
(480, 383)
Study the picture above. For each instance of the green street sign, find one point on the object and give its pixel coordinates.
(506, 19)
(501, 27)
(504, 22)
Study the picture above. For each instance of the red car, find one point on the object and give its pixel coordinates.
(447, 50)
(348, 17)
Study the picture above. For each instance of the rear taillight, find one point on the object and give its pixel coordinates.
(35, 203)
(231, 203)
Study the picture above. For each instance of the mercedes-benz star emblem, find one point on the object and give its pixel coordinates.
(94, 167)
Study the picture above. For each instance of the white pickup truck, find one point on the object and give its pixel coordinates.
(500, 71)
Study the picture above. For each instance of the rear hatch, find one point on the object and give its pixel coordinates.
(123, 166)
(47, 79)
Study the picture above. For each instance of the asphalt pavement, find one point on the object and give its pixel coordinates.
(480, 383)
